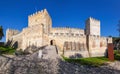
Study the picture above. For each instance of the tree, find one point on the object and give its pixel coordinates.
(1, 32)
(119, 28)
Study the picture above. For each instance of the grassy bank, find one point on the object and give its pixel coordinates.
(117, 54)
(6, 50)
(92, 61)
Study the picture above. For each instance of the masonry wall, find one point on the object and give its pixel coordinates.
(10, 33)
(17, 41)
(98, 45)
(64, 30)
(13, 38)
(32, 36)
(71, 45)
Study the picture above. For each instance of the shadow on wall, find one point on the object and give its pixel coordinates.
(77, 55)
(29, 50)
(33, 48)
(9, 42)
(12, 44)
(15, 45)
(106, 53)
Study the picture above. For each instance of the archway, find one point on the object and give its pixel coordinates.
(52, 42)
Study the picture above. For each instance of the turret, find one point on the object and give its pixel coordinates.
(92, 27)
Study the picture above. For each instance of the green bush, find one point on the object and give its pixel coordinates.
(116, 55)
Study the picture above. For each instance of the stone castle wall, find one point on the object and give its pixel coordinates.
(13, 38)
(32, 36)
(64, 30)
(95, 46)
(98, 45)
(71, 42)
(17, 40)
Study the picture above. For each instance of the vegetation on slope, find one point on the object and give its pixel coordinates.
(116, 42)
(92, 61)
(117, 55)
(6, 50)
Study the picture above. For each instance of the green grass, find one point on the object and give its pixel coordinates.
(117, 54)
(92, 61)
(6, 50)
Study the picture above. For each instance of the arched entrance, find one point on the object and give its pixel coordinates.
(52, 42)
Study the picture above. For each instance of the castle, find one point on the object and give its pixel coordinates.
(69, 41)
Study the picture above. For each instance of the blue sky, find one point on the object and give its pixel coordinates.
(72, 13)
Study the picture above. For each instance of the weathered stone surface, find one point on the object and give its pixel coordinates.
(31, 64)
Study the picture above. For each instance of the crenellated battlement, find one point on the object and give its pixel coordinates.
(96, 36)
(66, 28)
(38, 12)
(67, 35)
(13, 31)
(40, 18)
(93, 19)
(92, 26)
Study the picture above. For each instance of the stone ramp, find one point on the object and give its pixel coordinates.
(50, 52)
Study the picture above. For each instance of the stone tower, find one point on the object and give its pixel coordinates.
(92, 27)
(41, 18)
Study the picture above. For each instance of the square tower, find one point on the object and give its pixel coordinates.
(41, 18)
(92, 27)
